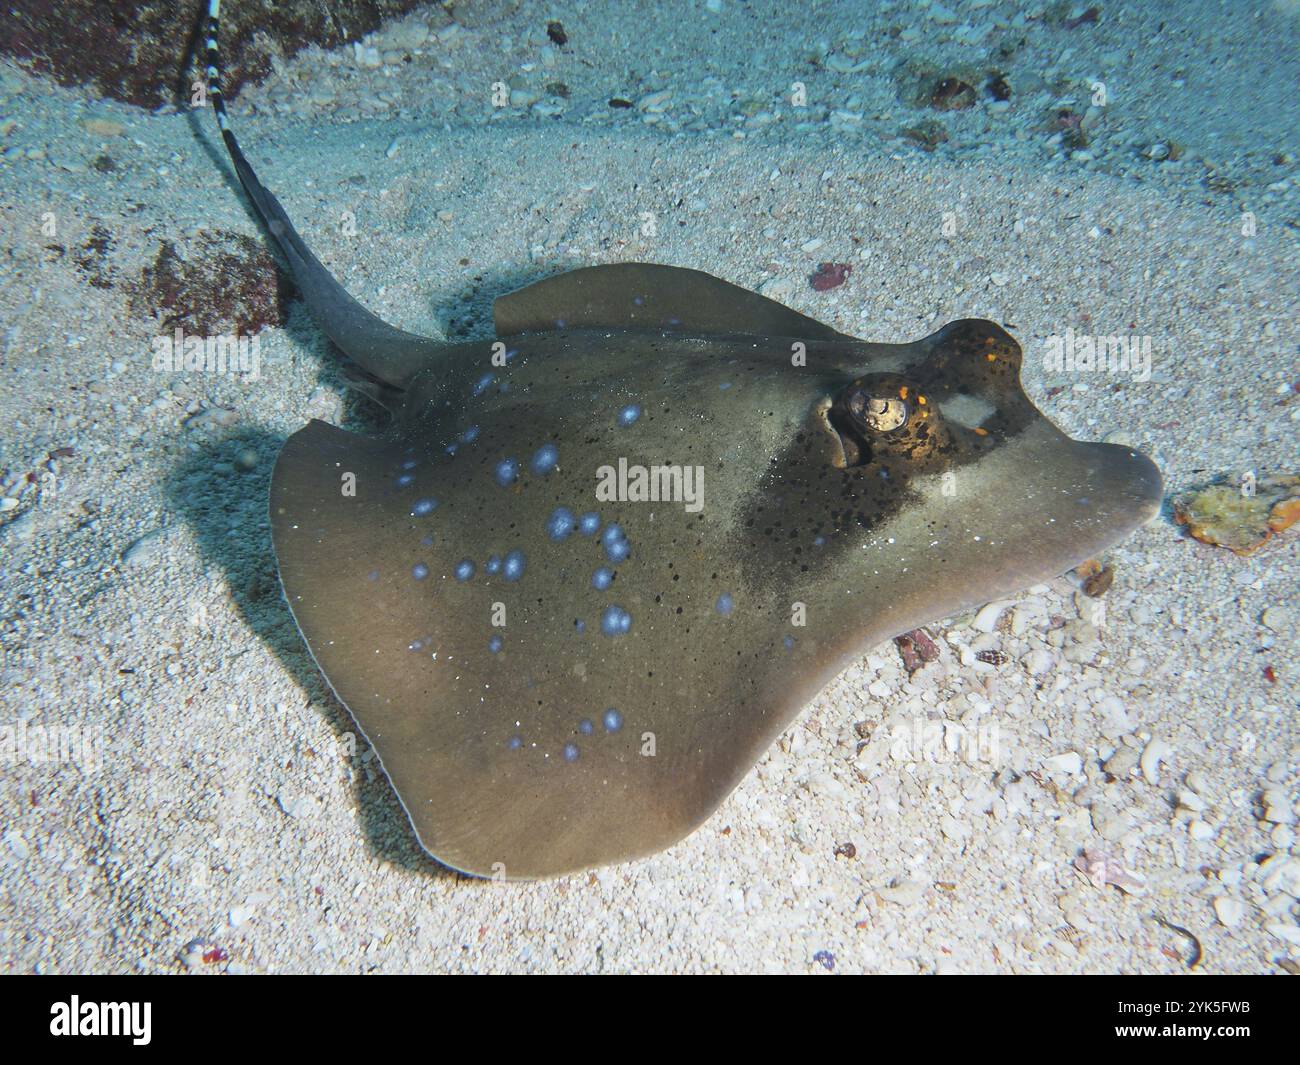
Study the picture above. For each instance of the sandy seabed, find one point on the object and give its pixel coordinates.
(212, 809)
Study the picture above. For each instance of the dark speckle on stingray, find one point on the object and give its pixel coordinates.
(599, 563)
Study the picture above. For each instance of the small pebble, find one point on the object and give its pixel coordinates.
(144, 550)
(1070, 762)
(904, 893)
(656, 102)
(1122, 762)
(1039, 661)
(1229, 911)
(1155, 752)
(1288, 932)
(986, 619)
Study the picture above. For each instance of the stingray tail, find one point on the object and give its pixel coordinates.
(389, 355)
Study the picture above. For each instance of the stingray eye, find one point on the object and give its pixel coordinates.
(880, 414)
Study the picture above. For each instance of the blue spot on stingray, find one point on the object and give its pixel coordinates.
(612, 720)
(819, 541)
(546, 459)
(469, 435)
(513, 568)
(421, 507)
(511, 354)
(724, 386)
(789, 642)
(615, 621)
(570, 752)
(602, 578)
(483, 383)
(373, 575)
(586, 727)
(615, 540)
(409, 464)
(504, 386)
(427, 540)
(493, 564)
(451, 449)
(638, 300)
(464, 569)
(561, 523)
(589, 523)
(579, 626)
(495, 644)
(506, 472)
(405, 480)
(629, 414)
(724, 604)
(514, 743)
(419, 571)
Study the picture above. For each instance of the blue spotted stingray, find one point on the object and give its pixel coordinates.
(562, 656)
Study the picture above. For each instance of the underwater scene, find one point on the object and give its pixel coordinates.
(503, 486)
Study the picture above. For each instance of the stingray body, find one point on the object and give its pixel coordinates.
(599, 563)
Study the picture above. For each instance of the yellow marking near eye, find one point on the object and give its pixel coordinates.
(981, 432)
(902, 392)
(921, 400)
(991, 357)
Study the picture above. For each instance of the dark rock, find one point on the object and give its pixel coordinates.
(140, 53)
(225, 281)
